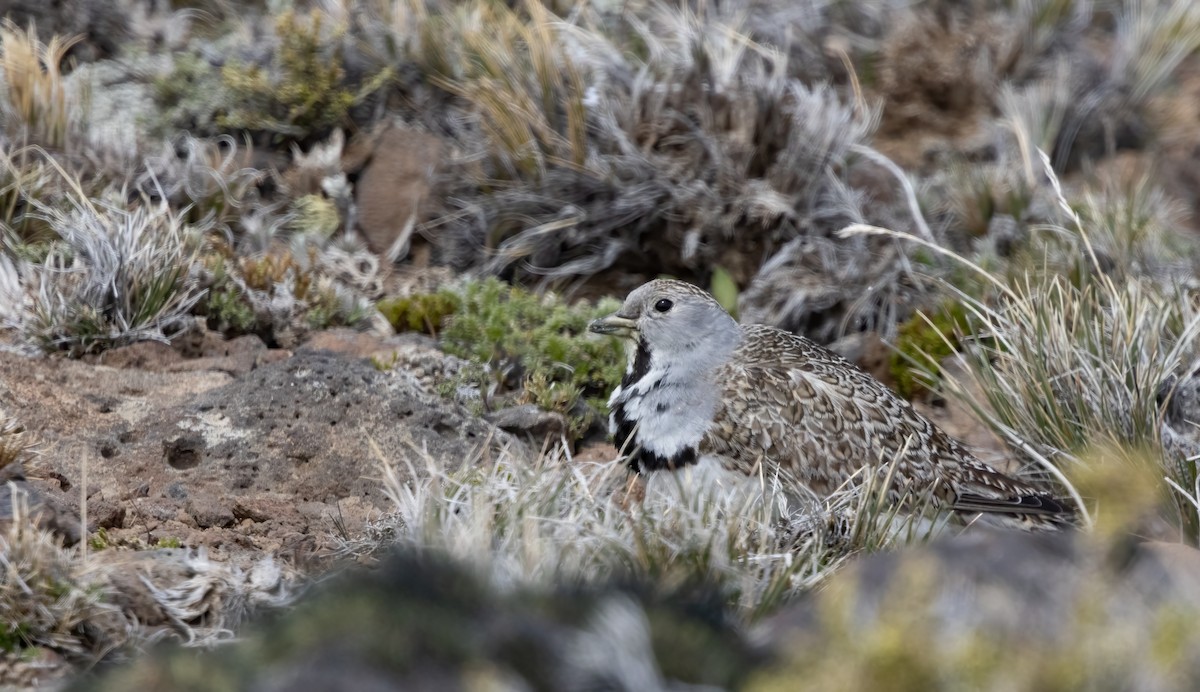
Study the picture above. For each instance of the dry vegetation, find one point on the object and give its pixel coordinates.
(1013, 160)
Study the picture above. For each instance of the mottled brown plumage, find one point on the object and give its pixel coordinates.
(764, 401)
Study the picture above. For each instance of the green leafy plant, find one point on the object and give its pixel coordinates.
(526, 346)
(421, 312)
(300, 91)
(724, 289)
(520, 335)
(304, 88)
(227, 310)
(187, 95)
(99, 540)
(277, 291)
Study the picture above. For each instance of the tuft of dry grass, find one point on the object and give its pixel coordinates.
(1134, 228)
(12, 293)
(35, 96)
(662, 140)
(512, 71)
(211, 179)
(559, 520)
(15, 445)
(48, 596)
(1152, 41)
(119, 274)
(1084, 108)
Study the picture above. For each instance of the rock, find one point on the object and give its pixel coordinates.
(395, 168)
(260, 509)
(105, 514)
(413, 356)
(346, 341)
(198, 341)
(852, 347)
(209, 510)
(200, 349)
(36, 668)
(1005, 235)
(61, 400)
(236, 356)
(867, 351)
(152, 511)
(146, 355)
(1168, 569)
(530, 420)
(1031, 575)
(44, 510)
(237, 364)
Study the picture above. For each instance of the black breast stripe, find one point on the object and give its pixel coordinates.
(641, 366)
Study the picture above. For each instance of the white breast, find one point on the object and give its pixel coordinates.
(671, 415)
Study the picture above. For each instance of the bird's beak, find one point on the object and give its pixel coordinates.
(615, 325)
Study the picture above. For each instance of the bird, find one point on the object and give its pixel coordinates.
(764, 401)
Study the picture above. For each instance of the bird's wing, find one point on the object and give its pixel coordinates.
(804, 410)
(794, 405)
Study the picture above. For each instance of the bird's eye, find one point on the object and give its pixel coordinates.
(663, 305)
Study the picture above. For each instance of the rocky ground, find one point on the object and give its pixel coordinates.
(245, 455)
(241, 449)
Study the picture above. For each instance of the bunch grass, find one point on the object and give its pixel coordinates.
(562, 520)
(34, 90)
(1073, 355)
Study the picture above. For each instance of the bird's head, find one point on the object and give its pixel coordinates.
(671, 317)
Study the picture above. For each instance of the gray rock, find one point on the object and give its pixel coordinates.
(45, 511)
(209, 510)
(530, 420)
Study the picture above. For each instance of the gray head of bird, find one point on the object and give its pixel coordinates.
(672, 317)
